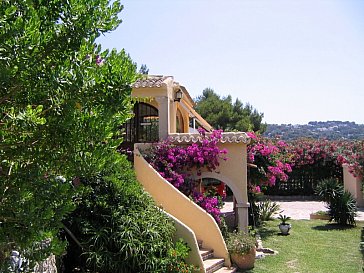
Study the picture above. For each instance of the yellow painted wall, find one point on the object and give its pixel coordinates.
(152, 93)
(188, 236)
(353, 185)
(181, 207)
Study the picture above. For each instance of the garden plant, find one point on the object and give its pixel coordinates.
(62, 100)
(174, 163)
(341, 203)
(116, 227)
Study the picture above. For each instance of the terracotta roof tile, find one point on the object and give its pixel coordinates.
(150, 81)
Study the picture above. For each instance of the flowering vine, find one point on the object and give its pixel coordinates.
(270, 162)
(275, 159)
(174, 163)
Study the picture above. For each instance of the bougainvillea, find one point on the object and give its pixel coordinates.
(317, 152)
(175, 163)
(268, 160)
(275, 159)
(352, 154)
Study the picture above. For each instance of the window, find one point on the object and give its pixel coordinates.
(144, 126)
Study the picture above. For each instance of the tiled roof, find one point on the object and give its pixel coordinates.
(150, 81)
(230, 137)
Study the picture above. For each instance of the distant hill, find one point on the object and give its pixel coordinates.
(331, 130)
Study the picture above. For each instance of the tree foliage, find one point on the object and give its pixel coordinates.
(61, 101)
(223, 114)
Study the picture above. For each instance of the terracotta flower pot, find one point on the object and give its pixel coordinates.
(244, 261)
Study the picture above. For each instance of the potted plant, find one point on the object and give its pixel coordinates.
(284, 226)
(241, 247)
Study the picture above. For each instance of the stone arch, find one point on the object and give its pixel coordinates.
(238, 193)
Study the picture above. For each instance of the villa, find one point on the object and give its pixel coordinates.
(165, 110)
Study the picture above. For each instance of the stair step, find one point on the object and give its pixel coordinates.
(226, 270)
(213, 264)
(206, 253)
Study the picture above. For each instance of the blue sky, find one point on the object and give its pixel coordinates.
(295, 61)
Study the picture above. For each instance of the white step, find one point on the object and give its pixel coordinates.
(226, 270)
(206, 253)
(213, 264)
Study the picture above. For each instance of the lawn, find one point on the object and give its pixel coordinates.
(313, 246)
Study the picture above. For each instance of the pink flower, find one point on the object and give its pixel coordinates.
(252, 135)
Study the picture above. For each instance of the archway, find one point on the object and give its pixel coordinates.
(238, 193)
(141, 128)
(238, 206)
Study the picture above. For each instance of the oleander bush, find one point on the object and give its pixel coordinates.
(62, 99)
(117, 226)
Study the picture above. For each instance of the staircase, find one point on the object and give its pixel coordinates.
(190, 220)
(212, 264)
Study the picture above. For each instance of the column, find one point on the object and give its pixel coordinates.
(243, 216)
(163, 114)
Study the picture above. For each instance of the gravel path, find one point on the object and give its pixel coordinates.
(302, 209)
(299, 209)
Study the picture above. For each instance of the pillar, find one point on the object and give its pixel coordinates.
(353, 185)
(243, 216)
(163, 114)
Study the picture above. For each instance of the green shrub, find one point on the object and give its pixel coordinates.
(343, 209)
(266, 210)
(118, 226)
(329, 189)
(341, 203)
(175, 261)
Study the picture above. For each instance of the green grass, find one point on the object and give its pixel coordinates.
(313, 246)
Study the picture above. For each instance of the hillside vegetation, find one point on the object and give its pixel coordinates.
(331, 130)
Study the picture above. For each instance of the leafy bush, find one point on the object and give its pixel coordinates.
(118, 226)
(341, 203)
(343, 209)
(329, 189)
(61, 101)
(176, 259)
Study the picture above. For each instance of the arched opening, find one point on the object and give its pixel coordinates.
(143, 127)
(213, 186)
(179, 122)
(232, 195)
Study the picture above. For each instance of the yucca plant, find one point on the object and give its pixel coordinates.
(341, 203)
(329, 189)
(343, 209)
(267, 209)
